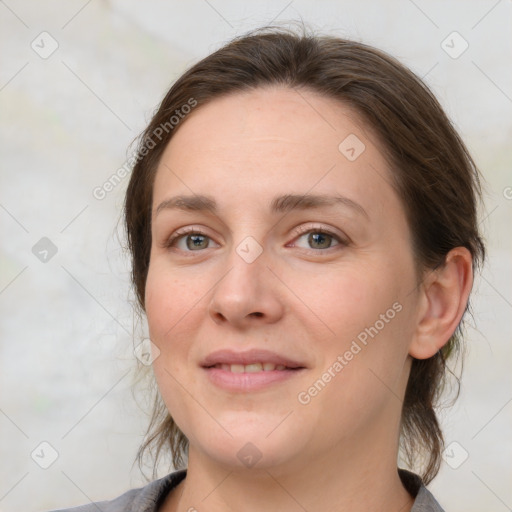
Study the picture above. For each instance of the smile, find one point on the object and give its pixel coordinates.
(250, 368)
(250, 378)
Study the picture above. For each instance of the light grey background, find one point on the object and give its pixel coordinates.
(66, 331)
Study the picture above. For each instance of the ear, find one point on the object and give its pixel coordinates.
(444, 295)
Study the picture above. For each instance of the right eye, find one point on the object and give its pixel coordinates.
(189, 240)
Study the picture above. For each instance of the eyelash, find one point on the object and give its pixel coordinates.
(301, 231)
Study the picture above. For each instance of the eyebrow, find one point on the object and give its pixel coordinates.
(280, 204)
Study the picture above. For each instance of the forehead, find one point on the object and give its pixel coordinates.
(277, 113)
(257, 143)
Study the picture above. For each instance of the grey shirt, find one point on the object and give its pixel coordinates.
(150, 497)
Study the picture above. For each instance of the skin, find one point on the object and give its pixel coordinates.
(299, 300)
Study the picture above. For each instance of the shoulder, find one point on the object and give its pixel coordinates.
(424, 500)
(142, 499)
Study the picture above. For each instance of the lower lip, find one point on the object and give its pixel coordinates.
(255, 381)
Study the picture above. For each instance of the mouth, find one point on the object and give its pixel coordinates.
(254, 360)
(249, 371)
(252, 367)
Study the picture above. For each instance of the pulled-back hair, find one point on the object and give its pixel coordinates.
(432, 171)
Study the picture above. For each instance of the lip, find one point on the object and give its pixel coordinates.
(227, 356)
(249, 382)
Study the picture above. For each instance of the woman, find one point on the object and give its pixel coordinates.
(302, 223)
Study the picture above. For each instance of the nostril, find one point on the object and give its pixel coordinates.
(257, 313)
(219, 317)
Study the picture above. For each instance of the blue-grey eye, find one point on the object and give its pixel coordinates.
(197, 242)
(319, 240)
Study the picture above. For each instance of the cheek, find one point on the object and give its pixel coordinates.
(361, 372)
(170, 300)
(342, 301)
(172, 305)
(173, 308)
(361, 317)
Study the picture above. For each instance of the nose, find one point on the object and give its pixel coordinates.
(249, 294)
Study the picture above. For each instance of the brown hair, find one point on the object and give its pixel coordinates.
(433, 173)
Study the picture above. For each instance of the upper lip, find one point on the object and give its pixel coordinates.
(227, 356)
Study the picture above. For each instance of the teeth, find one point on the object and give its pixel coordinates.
(250, 368)
(237, 368)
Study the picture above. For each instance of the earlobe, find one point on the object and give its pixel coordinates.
(444, 297)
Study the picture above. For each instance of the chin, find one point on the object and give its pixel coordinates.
(250, 448)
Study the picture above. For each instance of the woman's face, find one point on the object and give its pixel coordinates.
(299, 256)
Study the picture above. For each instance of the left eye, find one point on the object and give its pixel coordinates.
(320, 240)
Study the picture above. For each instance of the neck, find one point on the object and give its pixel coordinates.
(356, 477)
